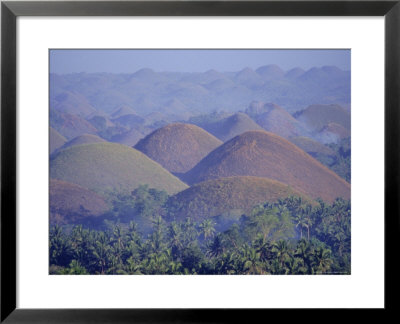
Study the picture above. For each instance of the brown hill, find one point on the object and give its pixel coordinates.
(129, 138)
(178, 147)
(225, 195)
(69, 125)
(263, 154)
(275, 119)
(318, 116)
(71, 204)
(231, 126)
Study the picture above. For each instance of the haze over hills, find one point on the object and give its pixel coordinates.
(318, 116)
(69, 125)
(215, 172)
(178, 147)
(332, 133)
(130, 137)
(72, 103)
(70, 203)
(311, 146)
(56, 140)
(82, 139)
(148, 91)
(110, 166)
(124, 108)
(231, 126)
(263, 154)
(275, 119)
(236, 195)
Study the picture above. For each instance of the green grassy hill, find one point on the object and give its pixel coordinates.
(110, 166)
(178, 147)
(263, 154)
(72, 204)
(232, 195)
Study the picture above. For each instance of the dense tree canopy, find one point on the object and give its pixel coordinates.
(290, 236)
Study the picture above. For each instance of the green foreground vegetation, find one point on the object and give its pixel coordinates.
(290, 236)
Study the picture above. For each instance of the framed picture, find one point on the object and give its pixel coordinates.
(188, 149)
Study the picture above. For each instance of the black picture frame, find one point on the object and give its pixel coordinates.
(10, 10)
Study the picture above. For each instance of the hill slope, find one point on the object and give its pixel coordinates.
(178, 147)
(69, 125)
(263, 154)
(275, 119)
(70, 203)
(318, 116)
(105, 166)
(332, 133)
(215, 197)
(83, 139)
(311, 146)
(232, 126)
(56, 140)
(129, 138)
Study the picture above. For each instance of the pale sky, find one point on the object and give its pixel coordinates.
(129, 61)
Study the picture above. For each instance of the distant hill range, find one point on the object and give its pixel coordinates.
(263, 154)
(70, 203)
(178, 147)
(188, 94)
(231, 195)
(109, 166)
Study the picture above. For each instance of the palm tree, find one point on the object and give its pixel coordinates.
(323, 260)
(207, 228)
(251, 263)
(100, 250)
(216, 247)
(282, 252)
(175, 235)
(300, 222)
(304, 252)
(60, 251)
(306, 218)
(309, 223)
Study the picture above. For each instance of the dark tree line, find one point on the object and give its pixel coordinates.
(290, 236)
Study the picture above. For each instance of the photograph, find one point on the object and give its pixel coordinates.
(199, 161)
